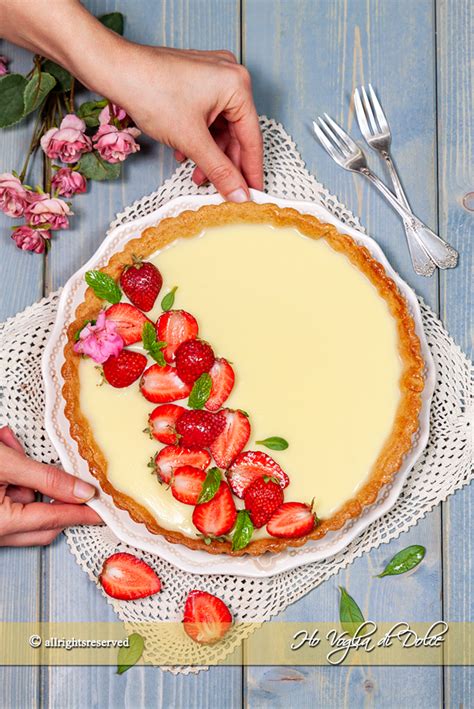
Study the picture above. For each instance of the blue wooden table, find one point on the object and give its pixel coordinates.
(305, 56)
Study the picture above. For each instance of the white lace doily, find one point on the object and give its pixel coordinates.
(444, 467)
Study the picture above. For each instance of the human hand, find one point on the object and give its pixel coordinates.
(24, 522)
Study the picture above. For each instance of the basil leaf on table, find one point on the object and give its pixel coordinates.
(129, 656)
(152, 345)
(350, 615)
(103, 286)
(168, 301)
(200, 392)
(210, 485)
(275, 443)
(243, 531)
(404, 561)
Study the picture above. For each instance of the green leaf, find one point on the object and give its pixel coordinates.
(36, 90)
(243, 531)
(404, 561)
(62, 76)
(12, 104)
(350, 614)
(103, 286)
(78, 332)
(275, 443)
(94, 168)
(168, 301)
(129, 656)
(200, 392)
(210, 485)
(114, 21)
(151, 345)
(89, 112)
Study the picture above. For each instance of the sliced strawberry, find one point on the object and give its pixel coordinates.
(123, 370)
(186, 484)
(233, 438)
(175, 327)
(128, 320)
(223, 379)
(217, 516)
(292, 519)
(199, 428)
(162, 421)
(126, 577)
(141, 282)
(206, 618)
(162, 384)
(172, 457)
(250, 465)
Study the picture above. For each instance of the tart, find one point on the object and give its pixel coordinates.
(304, 370)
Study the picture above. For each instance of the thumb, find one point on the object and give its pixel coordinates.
(218, 168)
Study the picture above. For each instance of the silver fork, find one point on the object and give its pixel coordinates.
(347, 153)
(376, 131)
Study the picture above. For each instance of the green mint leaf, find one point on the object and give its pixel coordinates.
(93, 167)
(62, 76)
(12, 104)
(243, 531)
(275, 443)
(36, 90)
(210, 485)
(200, 392)
(78, 332)
(114, 21)
(129, 656)
(350, 615)
(103, 286)
(168, 301)
(151, 345)
(89, 112)
(404, 561)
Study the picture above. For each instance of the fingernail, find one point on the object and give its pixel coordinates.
(239, 195)
(83, 491)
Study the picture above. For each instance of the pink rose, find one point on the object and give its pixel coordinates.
(3, 65)
(68, 142)
(29, 239)
(67, 182)
(100, 340)
(113, 144)
(48, 210)
(111, 112)
(13, 196)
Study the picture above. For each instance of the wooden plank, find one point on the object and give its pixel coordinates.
(455, 149)
(306, 58)
(210, 24)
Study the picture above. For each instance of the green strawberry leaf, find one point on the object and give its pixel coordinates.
(275, 443)
(152, 345)
(103, 286)
(94, 168)
(62, 76)
(129, 656)
(404, 561)
(36, 90)
(210, 485)
(243, 531)
(350, 615)
(114, 21)
(168, 301)
(200, 392)
(12, 104)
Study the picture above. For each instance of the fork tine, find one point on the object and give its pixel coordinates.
(342, 133)
(330, 134)
(361, 117)
(378, 110)
(369, 111)
(325, 142)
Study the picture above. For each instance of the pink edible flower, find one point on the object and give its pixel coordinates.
(3, 65)
(67, 182)
(29, 239)
(13, 196)
(99, 341)
(68, 142)
(48, 210)
(115, 145)
(111, 112)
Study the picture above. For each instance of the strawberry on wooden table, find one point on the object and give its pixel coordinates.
(217, 516)
(128, 321)
(193, 358)
(123, 370)
(250, 465)
(141, 282)
(223, 378)
(291, 519)
(198, 429)
(261, 499)
(127, 578)
(162, 384)
(233, 438)
(162, 422)
(206, 618)
(186, 484)
(175, 327)
(168, 459)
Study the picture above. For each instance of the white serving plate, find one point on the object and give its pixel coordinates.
(119, 521)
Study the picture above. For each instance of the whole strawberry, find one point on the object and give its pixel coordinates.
(262, 498)
(198, 428)
(193, 358)
(141, 282)
(123, 370)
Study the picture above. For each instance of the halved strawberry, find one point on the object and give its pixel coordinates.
(126, 577)
(128, 320)
(162, 384)
(217, 516)
(172, 457)
(250, 465)
(175, 327)
(223, 379)
(206, 618)
(186, 484)
(141, 282)
(162, 421)
(291, 519)
(123, 370)
(233, 438)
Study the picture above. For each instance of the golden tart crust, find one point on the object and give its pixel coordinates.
(189, 224)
